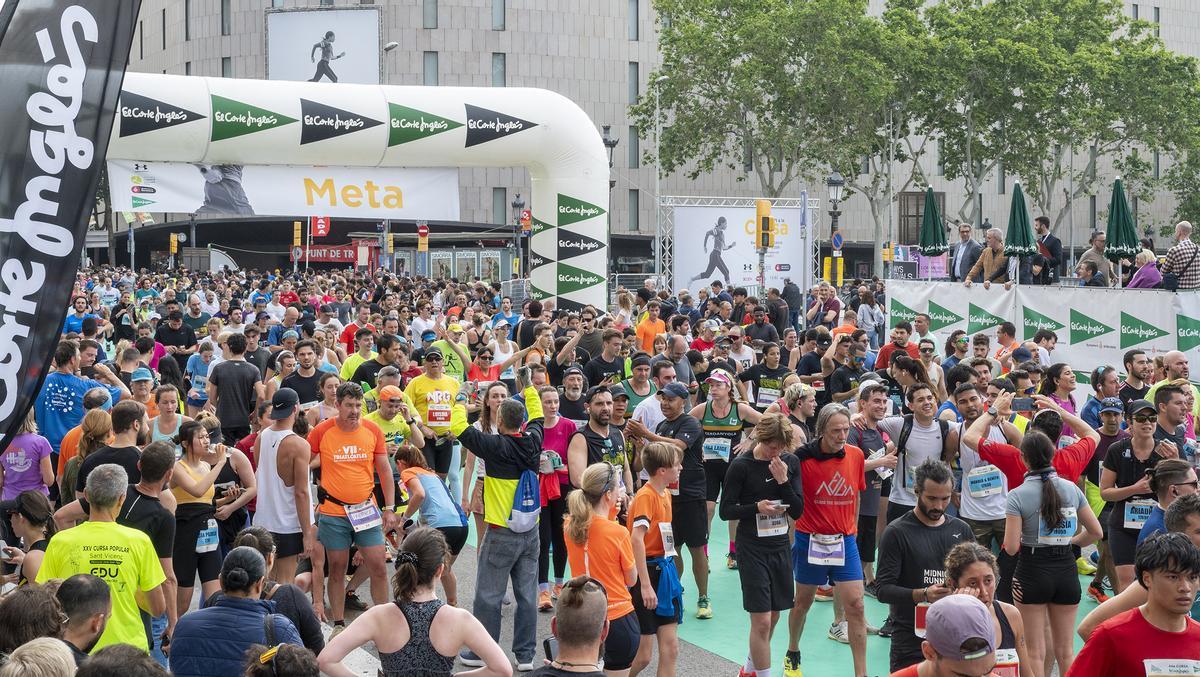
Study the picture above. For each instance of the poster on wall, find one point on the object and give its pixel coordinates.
(717, 243)
(441, 265)
(324, 45)
(281, 190)
(465, 266)
(489, 265)
(404, 263)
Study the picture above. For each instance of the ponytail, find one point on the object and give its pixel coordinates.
(1038, 450)
(598, 479)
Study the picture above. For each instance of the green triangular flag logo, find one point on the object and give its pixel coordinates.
(232, 118)
(899, 312)
(1082, 378)
(1084, 328)
(1135, 331)
(572, 279)
(979, 319)
(1188, 329)
(940, 317)
(141, 202)
(572, 210)
(538, 226)
(1035, 321)
(409, 124)
(538, 294)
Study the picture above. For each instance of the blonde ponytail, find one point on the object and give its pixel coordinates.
(597, 480)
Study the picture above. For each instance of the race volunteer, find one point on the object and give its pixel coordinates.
(763, 488)
(433, 394)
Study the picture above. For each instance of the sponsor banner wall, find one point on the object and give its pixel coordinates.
(717, 243)
(1187, 326)
(277, 190)
(300, 47)
(950, 307)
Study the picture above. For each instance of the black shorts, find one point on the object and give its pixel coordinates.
(714, 478)
(288, 545)
(766, 576)
(1046, 575)
(621, 643)
(438, 454)
(648, 621)
(689, 523)
(1122, 543)
(896, 510)
(866, 538)
(190, 519)
(456, 538)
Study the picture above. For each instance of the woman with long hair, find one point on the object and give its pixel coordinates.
(196, 534)
(418, 634)
(871, 316)
(327, 385)
(97, 429)
(169, 373)
(165, 426)
(555, 485)
(624, 316)
(1043, 517)
(971, 569)
(600, 548)
(489, 422)
(1058, 383)
(26, 464)
(429, 495)
(235, 487)
(32, 519)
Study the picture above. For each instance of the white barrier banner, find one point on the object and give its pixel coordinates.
(950, 307)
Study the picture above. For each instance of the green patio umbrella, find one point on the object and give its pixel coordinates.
(1019, 240)
(933, 233)
(1121, 240)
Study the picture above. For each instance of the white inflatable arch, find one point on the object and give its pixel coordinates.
(249, 122)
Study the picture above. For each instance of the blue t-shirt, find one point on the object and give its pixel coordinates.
(1155, 524)
(59, 405)
(197, 370)
(949, 406)
(511, 319)
(1091, 412)
(75, 324)
(437, 508)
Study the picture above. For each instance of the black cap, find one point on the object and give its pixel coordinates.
(431, 353)
(325, 308)
(283, 403)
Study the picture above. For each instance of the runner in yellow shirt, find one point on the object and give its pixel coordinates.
(433, 393)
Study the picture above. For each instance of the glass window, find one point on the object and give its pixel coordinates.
(500, 205)
(429, 14)
(164, 28)
(187, 19)
(226, 19)
(498, 7)
(1157, 165)
(1091, 215)
(1135, 11)
(635, 89)
(431, 69)
(634, 26)
(328, 3)
(187, 68)
(912, 210)
(635, 149)
(499, 69)
(1157, 22)
(226, 67)
(634, 209)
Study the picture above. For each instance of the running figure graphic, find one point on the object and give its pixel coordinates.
(715, 262)
(326, 47)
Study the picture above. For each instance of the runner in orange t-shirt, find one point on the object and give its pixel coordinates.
(650, 327)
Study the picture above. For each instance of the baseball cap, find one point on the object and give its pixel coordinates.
(325, 308)
(283, 403)
(432, 353)
(824, 339)
(674, 390)
(571, 371)
(390, 393)
(1138, 405)
(1112, 404)
(712, 324)
(956, 619)
(1022, 354)
(724, 341)
(264, 315)
(457, 328)
(719, 376)
(141, 374)
(618, 390)
(428, 335)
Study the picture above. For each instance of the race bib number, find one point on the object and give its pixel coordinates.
(1007, 663)
(206, 540)
(1137, 512)
(827, 550)
(1061, 535)
(364, 515)
(984, 481)
(673, 487)
(771, 525)
(910, 478)
(439, 414)
(767, 396)
(884, 472)
(1171, 667)
(919, 614)
(717, 449)
(818, 386)
(668, 539)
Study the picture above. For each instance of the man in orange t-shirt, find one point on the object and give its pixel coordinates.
(352, 452)
(650, 327)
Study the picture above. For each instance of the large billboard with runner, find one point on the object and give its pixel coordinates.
(324, 45)
(717, 243)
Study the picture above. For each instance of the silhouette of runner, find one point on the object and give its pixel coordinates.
(715, 262)
(326, 47)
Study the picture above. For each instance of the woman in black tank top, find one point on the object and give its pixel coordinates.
(971, 569)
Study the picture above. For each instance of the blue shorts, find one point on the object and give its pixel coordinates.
(814, 574)
(335, 533)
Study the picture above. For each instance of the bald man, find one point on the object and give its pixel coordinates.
(1176, 364)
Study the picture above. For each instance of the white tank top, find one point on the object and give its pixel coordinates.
(276, 504)
(501, 356)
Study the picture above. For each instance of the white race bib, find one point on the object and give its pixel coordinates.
(767, 396)
(984, 481)
(771, 525)
(1171, 667)
(1008, 664)
(883, 471)
(364, 515)
(1137, 512)
(717, 449)
(1061, 535)
(827, 550)
(668, 539)
(439, 414)
(206, 540)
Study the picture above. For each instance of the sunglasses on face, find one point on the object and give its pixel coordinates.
(927, 351)
(1145, 418)
(1194, 484)
(485, 357)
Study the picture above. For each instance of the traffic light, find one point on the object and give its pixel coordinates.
(764, 225)
(174, 243)
(296, 234)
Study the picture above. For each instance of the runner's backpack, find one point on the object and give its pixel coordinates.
(527, 503)
(902, 443)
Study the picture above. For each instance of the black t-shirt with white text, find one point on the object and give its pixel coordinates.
(691, 478)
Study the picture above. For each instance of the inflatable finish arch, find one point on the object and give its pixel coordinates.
(171, 118)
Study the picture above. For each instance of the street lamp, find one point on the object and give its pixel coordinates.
(611, 144)
(836, 184)
(658, 256)
(387, 48)
(518, 206)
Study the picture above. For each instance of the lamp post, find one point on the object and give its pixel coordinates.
(658, 179)
(518, 205)
(611, 144)
(836, 184)
(387, 48)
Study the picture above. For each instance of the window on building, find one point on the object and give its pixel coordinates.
(1092, 223)
(912, 210)
(499, 69)
(864, 167)
(1133, 209)
(500, 205)
(187, 68)
(748, 156)
(431, 69)
(429, 13)
(635, 147)
(634, 209)
(164, 28)
(226, 67)
(1092, 159)
(635, 89)
(1157, 21)
(141, 40)
(634, 17)
(187, 19)
(498, 10)
(1135, 11)
(940, 168)
(277, 3)
(226, 18)
(327, 3)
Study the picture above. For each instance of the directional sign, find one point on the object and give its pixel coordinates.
(297, 252)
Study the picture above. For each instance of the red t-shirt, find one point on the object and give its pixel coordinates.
(1122, 646)
(1069, 462)
(910, 671)
(884, 359)
(347, 337)
(287, 298)
(831, 489)
(702, 345)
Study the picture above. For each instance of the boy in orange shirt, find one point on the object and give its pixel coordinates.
(649, 524)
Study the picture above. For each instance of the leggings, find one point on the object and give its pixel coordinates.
(551, 527)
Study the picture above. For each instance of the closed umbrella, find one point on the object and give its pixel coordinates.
(1121, 240)
(1019, 240)
(933, 233)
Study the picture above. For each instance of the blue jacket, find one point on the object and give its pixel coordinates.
(214, 640)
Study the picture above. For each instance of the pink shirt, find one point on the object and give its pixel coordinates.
(556, 439)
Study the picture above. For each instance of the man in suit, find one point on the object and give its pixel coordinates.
(1050, 247)
(964, 254)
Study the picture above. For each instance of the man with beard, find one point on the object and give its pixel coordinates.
(596, 441)
(912, 555)
(131, 432)
(1176, 365)
(304, 379)
(571, 403)
(760, 331)
(87, 603)
(1140, 368)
